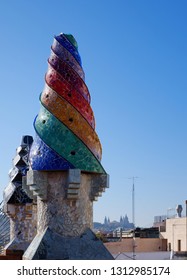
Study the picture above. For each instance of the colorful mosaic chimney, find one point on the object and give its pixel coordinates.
(65, 126)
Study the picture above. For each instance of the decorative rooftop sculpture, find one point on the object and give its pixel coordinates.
(65, 126)
(13, 193)
(65, 175)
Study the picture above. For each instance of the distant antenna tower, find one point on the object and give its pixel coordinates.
(133, 215)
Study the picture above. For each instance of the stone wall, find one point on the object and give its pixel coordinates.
(176, 234)
(68, 217)
(142, 245)
(65, 214)
(22, 221)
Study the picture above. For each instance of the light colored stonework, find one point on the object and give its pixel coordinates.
(22, 221)
(66, 217)
(65, 199)
(23, 225)
(65, 214)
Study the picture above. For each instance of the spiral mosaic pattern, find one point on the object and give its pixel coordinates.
(65, 126)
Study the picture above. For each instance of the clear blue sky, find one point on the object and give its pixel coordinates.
(134, 54)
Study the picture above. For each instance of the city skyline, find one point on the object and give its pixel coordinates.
(135, 62)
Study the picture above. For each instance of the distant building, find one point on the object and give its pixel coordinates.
(152, 232)
(120, 233)
(159, 219)
(175, 231)
(160, 222)
(105, 221)
(112, 225)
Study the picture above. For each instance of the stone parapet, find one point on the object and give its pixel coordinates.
(65, 214)
(65, 198)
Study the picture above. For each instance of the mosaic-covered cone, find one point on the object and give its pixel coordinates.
(65, 126)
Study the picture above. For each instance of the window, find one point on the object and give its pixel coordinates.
(179, 245)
